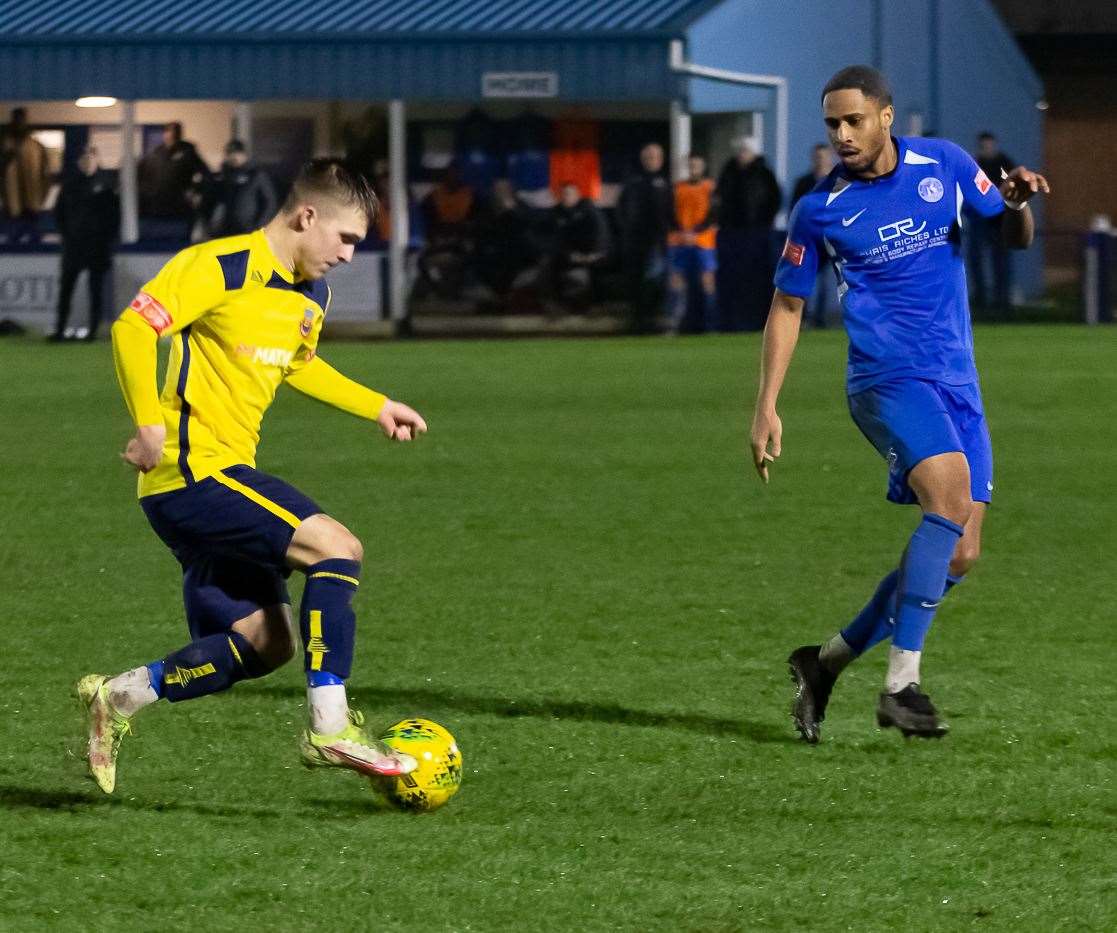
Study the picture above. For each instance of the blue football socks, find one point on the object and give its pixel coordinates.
(877, 620)
(874, 622)
(922, 579)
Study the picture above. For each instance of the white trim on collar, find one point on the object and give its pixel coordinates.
(914, 158)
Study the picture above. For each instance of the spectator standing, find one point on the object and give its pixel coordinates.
(88, 219)
(823, 303)
(243, 195)
(580, 245)
(26, 179)
(692, 246)
(645, 211)
(749, 199)
(171, 179)
(990, 272)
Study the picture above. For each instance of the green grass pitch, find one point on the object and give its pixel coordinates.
(578, 574)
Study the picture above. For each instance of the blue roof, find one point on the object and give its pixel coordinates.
(34, 20)
(362, 49)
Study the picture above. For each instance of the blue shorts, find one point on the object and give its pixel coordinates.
(684, 260)
(230, 532)
(909, 420)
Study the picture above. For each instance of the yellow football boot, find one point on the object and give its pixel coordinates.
(353, 748)
(106, 730)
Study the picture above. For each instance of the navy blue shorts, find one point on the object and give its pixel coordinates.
(230, 532)
(909, 420)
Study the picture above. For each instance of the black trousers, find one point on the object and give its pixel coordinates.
(644, 268)
(744, 277)
(73, 264)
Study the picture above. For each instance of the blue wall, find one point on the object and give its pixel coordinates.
(952, 61)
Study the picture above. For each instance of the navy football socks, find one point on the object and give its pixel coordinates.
(327, 621)
(208, 665)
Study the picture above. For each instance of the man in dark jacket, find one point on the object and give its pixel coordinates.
(243, 196)
(579, 246)
(171, 178)
(990, 273)
(749, 196)
(645, 212)
(88, 219)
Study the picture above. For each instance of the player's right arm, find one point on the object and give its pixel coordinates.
(795, 280)
(186, 288)
(781, 333)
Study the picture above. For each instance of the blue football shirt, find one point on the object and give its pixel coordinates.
(895, 245)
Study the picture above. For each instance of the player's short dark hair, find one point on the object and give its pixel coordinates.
(330, 179)
(985, 134)
(863, 78)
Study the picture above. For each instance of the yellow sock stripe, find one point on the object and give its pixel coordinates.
(236, 654)
(316, 646)
(183, 675)
(289, 517)
(336, 576)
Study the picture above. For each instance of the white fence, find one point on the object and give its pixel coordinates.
(29, 288)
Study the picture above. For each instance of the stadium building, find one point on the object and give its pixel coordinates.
(536, 90)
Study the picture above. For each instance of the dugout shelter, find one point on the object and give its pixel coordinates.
(703, 70)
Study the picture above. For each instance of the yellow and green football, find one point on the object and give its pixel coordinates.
(439, 773)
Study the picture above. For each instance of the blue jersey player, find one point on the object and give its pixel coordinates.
(888, 219)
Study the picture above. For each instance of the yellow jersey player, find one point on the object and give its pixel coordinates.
(243, 315)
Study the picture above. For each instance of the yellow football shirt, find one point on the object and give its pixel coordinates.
(240, 325)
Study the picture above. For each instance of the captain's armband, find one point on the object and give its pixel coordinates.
(147, 307)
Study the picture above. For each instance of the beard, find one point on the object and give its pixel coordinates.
(866, 157)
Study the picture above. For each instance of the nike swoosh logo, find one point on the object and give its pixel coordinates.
(927, 605)
(846, 221)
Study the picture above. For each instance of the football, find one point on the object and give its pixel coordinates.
(439, 773)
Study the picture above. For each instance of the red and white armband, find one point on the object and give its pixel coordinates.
(151, 311)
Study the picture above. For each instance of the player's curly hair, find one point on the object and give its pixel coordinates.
(329, 178)
(863, 78)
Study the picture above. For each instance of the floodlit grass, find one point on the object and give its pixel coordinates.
(577, 573)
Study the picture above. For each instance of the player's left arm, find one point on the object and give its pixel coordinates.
(987, 197)
(318, 379)
(313, 376)
(1018, 228)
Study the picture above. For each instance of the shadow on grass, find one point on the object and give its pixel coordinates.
(573, 710)
(14, 797)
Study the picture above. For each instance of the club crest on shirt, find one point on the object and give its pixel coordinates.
(930, 189)
(307, 323)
